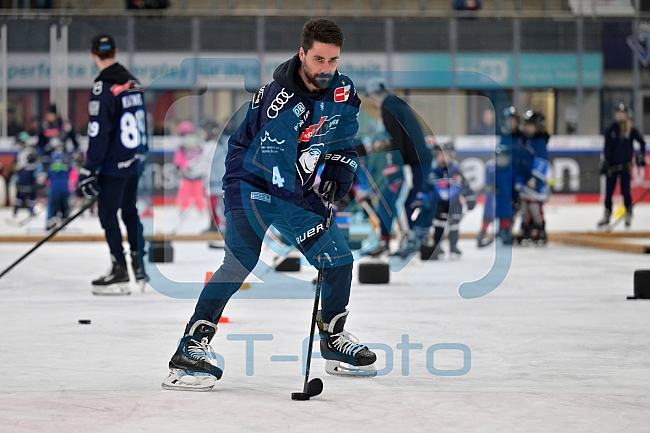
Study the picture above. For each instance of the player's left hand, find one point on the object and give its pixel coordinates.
(640, 159)
(338, 174)
(88, 183)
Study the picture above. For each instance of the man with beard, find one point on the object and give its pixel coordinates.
(306, 114)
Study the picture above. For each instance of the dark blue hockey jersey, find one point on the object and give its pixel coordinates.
(287, 132)
(117, 127)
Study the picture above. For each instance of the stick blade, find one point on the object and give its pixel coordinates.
(314, 387)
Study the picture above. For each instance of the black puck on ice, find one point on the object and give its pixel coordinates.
(84, 321)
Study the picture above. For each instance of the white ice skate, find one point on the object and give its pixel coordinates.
(188, 381)
(117, 289)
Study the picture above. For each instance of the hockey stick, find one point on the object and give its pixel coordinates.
(617, 221)
(51, 235)
(315, 387)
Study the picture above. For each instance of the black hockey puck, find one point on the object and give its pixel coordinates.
(376, 272)
(642, 284)
(84, 321)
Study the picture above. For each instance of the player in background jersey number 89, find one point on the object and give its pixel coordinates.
(117, 143)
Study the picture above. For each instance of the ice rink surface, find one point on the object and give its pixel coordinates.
(555, 348)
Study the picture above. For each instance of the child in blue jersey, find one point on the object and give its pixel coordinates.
(117, 141)
(531, 173)
(451, 189)
(58, 196)
(305, 116)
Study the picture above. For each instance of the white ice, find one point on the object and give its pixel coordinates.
(555, 348)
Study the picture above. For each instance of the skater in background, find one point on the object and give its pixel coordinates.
(58, 196)
(617, 161)
(531, 176)
(189, 160)
(117, 142)
(452, 191)
(25, 179)
(272, 162)
(407, 137)
(504, 193)
(54, 134)
(215, 166)
(380, 184)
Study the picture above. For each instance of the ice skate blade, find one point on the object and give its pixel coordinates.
(143, 284)
(338, 368)
(118, 289)
(180, 380)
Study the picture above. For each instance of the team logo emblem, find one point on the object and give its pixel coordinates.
(341, 94)
(276, 105)
(308, 161)
(97, 87)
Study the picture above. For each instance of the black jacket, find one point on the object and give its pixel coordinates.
(619, 147)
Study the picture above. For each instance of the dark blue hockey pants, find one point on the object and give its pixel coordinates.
(244, 235)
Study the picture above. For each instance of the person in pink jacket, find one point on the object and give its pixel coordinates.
(188, 159)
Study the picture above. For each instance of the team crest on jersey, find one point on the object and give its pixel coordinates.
(342, 94)
(308, 160)
(257, 98)
(97, 87)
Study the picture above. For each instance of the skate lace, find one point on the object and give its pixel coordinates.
(200, 350)
(347, 343)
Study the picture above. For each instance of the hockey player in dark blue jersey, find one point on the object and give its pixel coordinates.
(117, 141)
(306, 115)
(451, 189)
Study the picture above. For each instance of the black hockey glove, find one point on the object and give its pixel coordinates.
(640, 159)
(339, 170)
(604, 167)
(87, 183)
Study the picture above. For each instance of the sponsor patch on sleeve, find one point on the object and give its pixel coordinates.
(342, 94)
(257, 98)
(93, 108)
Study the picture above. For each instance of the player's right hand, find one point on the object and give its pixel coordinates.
(88, 183)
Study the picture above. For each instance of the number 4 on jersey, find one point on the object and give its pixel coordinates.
(277, 179)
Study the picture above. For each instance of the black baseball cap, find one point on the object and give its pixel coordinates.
(103, 42)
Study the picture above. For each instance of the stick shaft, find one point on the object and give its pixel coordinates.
(49, 236)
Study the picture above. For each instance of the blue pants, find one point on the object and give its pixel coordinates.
(244, 236)
(116, 194)
(57, 203)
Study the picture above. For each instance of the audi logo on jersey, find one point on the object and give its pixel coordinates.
(276, 105)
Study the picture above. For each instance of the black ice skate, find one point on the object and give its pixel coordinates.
(604, 221)
(454, 252)
(540, 237)
(116, 282)
(140, 277)
(344, 355)
(628, 217)
(482, 240)
(193, 366)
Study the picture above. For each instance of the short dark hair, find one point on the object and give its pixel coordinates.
(321, 30)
